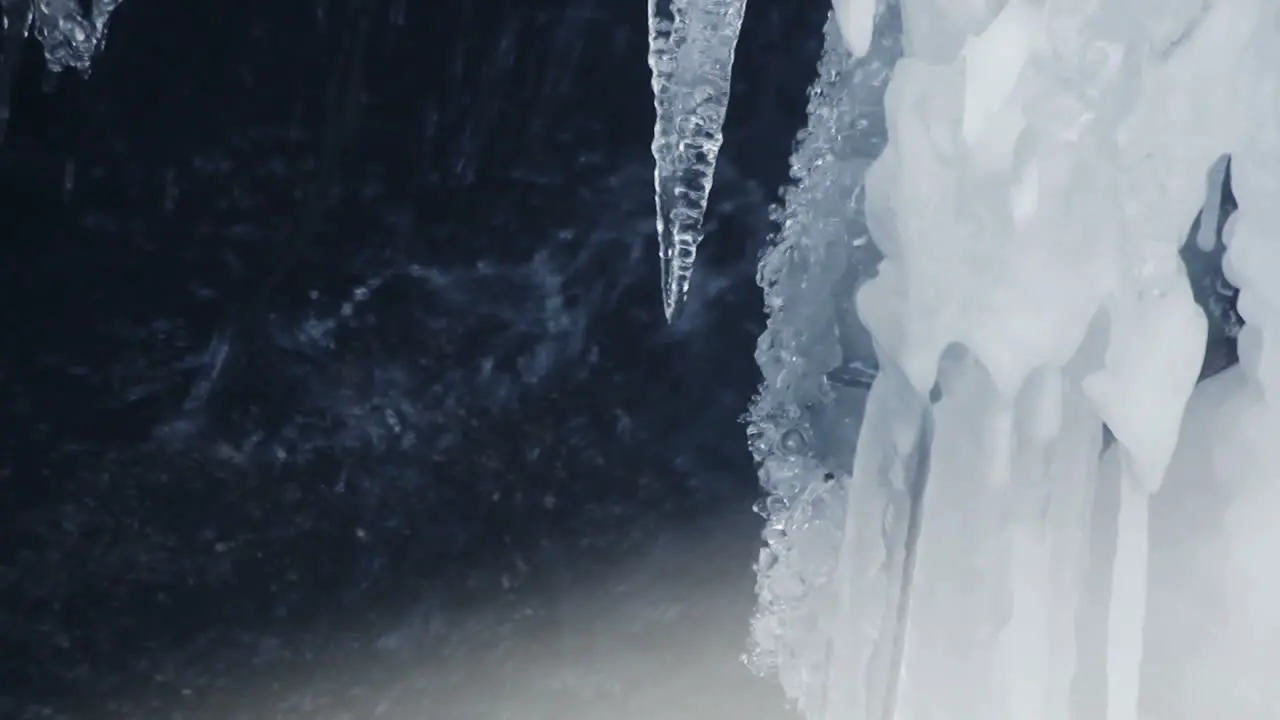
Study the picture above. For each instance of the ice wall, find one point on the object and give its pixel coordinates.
(1038, 346)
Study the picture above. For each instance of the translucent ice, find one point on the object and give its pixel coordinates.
(691, 48)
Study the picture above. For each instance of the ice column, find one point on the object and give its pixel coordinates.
(691, 47)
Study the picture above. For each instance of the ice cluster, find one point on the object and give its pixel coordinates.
(70, 38)
(1053, 512)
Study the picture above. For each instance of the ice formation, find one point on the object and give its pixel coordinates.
(70, 38)
(1046, 518)
(691, 46)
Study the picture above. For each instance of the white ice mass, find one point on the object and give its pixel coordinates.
(1053, 511)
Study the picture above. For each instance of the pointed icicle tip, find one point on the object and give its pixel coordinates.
(675, 289)
(673, 306)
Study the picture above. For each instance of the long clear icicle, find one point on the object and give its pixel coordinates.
(691, 47)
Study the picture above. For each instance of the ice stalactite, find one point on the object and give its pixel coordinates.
(691, 49)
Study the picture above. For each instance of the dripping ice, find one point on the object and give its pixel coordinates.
(70, 38)
(691, 47)
(1013, 470)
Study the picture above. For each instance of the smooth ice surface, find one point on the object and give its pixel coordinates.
(1037, 471)
(691, 47)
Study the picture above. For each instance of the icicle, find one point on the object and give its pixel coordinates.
(691, 48)
(1070, 471)
(1126, 620)
(70, 39)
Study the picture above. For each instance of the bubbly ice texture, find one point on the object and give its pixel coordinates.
(817, 361)
(70, 39)
(691, 48)
(1033, 450)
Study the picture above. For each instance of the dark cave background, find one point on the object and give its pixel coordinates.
(316, 309)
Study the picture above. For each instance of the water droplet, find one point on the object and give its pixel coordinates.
(793, 442)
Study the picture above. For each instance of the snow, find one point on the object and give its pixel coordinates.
(1038, 475)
